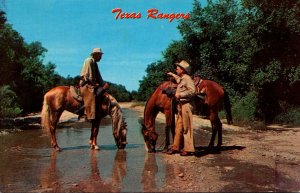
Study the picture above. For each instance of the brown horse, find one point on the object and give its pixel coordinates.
(60, 98)
(215, 99)
(159, 101)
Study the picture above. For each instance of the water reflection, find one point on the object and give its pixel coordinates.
(53, 178)
(149, 172)
(119, 169)
(50, 176)
(77, 168)
(96, 183)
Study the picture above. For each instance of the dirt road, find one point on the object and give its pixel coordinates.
(250, 161)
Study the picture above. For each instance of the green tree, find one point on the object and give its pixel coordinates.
(156, 73)
(8, 102)
(248, 46)
(276, 27)
(22, 67)
(119, 92)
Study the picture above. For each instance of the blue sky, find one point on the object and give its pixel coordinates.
(70, 29)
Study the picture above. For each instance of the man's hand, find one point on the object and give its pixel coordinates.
(106, 86)
(177, 95)
(170, 74)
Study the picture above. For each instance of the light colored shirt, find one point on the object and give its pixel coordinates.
(186, 86)
(90, 72)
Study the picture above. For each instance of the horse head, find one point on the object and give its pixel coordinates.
(150, 138)
(121, 138)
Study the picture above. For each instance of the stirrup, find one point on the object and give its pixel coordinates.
(82, 116)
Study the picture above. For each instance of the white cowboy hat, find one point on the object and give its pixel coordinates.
(97, 50)
(186, 66)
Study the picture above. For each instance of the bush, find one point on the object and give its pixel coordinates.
(8, 104)
(291, 116)
(244, 109)
(119, 92)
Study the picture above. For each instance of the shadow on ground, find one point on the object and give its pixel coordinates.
(203, 151)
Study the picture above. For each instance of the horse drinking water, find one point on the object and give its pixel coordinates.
(59, 99)
(216, 98)
(159, 101)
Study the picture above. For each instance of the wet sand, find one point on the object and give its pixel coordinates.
(249, 161)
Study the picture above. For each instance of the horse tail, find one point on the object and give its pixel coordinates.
(45, 115)
(227, 107)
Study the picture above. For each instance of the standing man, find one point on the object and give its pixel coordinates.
(184, 95)
(91, 83)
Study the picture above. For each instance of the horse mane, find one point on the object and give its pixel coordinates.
(143, 127)
(162, 86)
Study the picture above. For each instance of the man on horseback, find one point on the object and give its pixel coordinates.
(184, 95)
(91, 83)
(92, 87)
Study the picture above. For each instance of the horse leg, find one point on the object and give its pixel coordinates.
(91, 137)
(94, 133)
(53, 123)
(169, 126)
(219, 127)
(216, 128)
(212, 118)
(167, 139)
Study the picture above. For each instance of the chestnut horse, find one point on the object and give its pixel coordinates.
(60, 98)
(215, 99)
(159, 101)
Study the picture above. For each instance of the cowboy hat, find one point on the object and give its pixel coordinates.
(186, 66)
(97, 50)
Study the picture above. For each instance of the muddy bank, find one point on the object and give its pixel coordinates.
(249, 161)
(27, 122)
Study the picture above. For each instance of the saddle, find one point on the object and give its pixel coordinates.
(100, 94)
(200, 91)
(76, 93)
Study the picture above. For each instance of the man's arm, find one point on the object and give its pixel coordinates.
(86, 71)
(176, 77)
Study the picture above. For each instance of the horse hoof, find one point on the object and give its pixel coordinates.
(95, 147)
(122, 146)
(209, 149)
(152, 151)
(218, 148)
(58, 149)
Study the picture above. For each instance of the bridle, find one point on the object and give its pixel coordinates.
(197, 80)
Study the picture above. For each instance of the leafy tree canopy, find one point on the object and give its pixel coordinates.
(246, 46)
